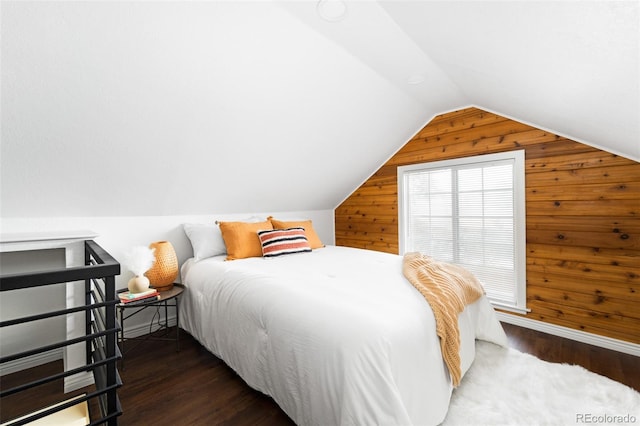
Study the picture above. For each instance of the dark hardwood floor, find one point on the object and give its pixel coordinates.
(193, 387)
(618, 366)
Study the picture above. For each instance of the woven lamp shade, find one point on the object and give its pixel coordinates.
(165, 268)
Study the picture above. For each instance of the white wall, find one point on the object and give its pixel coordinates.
(119, 234)
(32, 301)
(138, 108)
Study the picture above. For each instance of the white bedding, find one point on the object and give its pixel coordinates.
(337, 336)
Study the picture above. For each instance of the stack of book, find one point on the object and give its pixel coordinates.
(128, 298)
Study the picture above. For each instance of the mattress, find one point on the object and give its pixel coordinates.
(337, 336)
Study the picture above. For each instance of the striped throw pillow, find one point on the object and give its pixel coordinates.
(277, 242)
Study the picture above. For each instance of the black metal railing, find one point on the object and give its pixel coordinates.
(100, 337)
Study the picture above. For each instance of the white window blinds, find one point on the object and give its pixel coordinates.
(470, 211)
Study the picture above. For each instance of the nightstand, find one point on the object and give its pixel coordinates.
(168, 299)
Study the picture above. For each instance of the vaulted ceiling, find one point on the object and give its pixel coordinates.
(159, 108)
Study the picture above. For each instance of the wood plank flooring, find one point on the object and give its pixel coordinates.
(193, 387)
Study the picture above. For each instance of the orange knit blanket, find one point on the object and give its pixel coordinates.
(448, 288)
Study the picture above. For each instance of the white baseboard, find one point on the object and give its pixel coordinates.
(78, 381)
(31, 361)
(71, 383)
(569, 333)
(57, 354)
(138, 330)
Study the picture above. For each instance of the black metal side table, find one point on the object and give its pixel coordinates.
(168, 299)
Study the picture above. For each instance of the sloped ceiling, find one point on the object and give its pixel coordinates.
(159, 108)
(568, 66)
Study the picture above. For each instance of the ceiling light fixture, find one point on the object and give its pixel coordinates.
(331, 10)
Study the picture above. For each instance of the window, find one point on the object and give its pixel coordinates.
(470, 211)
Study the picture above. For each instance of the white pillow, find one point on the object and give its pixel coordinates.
(206, 240)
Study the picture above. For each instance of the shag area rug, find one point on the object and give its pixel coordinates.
(508, 387)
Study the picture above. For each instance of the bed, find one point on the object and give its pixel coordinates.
(336, 336)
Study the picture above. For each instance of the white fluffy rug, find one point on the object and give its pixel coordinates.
(508, 387)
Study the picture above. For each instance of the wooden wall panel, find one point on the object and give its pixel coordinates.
(583, 217)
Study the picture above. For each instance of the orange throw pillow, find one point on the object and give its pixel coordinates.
(241, 238)
(312, 236)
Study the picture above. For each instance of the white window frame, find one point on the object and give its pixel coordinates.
(519, 213)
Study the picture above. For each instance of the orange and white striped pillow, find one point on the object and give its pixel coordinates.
(277, 242)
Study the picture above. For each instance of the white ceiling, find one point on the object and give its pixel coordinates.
(568, 66)
(158, 108)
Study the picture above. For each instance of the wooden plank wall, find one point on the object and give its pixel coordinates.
(583, 218)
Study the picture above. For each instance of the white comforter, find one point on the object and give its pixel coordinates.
(337, 336)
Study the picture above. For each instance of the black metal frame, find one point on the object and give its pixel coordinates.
(102, 329)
